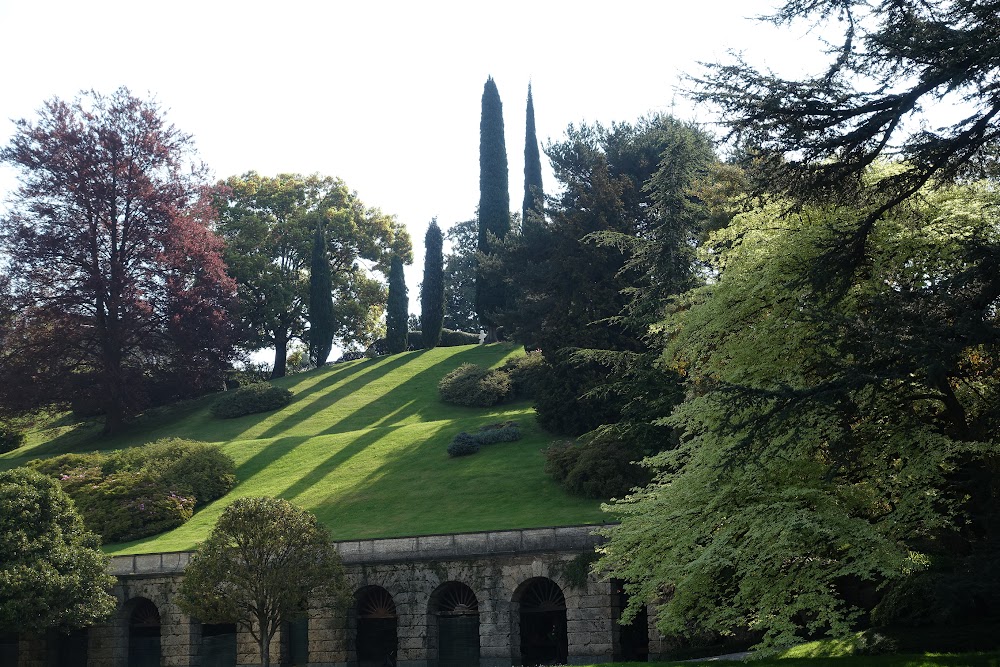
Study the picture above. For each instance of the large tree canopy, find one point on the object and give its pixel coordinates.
(815, 137)
(269, 223)
(460, 277)
(117, 287)
(52, 571)
(826, 439)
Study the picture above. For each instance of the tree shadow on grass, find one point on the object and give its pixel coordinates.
(412, 396)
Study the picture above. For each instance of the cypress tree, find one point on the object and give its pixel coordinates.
(533, 197)
(494, 204)
(432, 288)
(320, 300)
(396, 315)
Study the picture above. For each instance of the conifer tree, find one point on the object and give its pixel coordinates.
(533, 196)
(321, 322)
(494, 205)
(432, 288)
(396, 311)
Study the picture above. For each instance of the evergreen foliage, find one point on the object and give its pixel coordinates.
(250, 400)
(432, 288)
(52, 572)
(534, 196)
(494, 206)
(320, 300)
(460, 277)
(474, 385)
(396, 311)
(264, 562)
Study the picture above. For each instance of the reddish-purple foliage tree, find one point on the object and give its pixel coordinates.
(117, 291)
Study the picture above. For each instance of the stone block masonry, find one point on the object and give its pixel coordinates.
(429, 587)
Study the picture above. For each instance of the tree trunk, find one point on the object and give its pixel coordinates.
(280, 353)
(265, 649)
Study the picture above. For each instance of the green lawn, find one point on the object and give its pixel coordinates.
(901, 660)
(362, 445)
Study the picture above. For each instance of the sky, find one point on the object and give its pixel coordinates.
(385, 95)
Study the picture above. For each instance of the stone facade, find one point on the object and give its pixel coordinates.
(500, 568)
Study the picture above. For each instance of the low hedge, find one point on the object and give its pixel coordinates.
(251, 400)
(141, 491)
(464, 443)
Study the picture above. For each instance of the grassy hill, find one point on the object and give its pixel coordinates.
(362, 445)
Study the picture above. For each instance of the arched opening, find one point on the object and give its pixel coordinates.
(70, 647)
(455, 609)
(631, 642)
(143, 634)
(218, 645)
(541, 610)
(376, 638)
(8, 648)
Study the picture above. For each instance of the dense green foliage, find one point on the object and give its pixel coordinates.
(464, 443)
(526, 373)
(827, 438)
(460, 277)
(474, 385)
(249, 400)
(132, 493)
(494, 206)
(52, 571)
(432, 288)
(264, 562)
(451, 338)
(596, 467)
(268, 224)
(534, 196)
(396, 325)
(321, 320)
(11, 437)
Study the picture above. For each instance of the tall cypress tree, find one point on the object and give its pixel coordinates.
(320, 300)
(396, 315)
(533, 196)
(494, 205)
(432, 288)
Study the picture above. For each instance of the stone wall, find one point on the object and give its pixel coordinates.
(498, 567)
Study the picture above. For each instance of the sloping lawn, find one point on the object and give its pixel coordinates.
(362, 445)
(901, 660)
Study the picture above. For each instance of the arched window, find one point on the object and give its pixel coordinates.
(376, 638)
(541, 608)
(455, 610)
(143, 634)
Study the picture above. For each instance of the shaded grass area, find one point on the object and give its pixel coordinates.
(362, 445)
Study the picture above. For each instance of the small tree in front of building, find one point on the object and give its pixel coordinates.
(264, 562)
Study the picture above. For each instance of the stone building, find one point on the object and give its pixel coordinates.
(516, 597)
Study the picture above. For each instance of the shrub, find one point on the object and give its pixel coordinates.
(450, 338)
(351, 355)
(251, 400)
(10, 438)
(463, 444)
(473, 385)
(377, 349)
(141, 491)
(508, 431)
(526, 373)
(595, 468)
(414, 340)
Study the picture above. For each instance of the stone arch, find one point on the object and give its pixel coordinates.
(143, 620)
(453, 625)
(377, 627)
(538, 623)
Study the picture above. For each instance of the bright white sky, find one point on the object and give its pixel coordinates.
(385, 95)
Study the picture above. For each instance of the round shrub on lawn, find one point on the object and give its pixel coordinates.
(251, 400)
(473, 385)
(463, 444)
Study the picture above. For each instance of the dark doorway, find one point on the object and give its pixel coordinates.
(543, 624)
(376, 640)
(457, 611)
(297, 642)
(633, 639)
(70, 648)
(8, 648)
(144, 635)
(218, 645)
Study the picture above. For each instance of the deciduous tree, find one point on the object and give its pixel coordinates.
(265, 562)
(432, 287)
(268, 224)
(460, 277)
(52, 571)
(117, 283)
